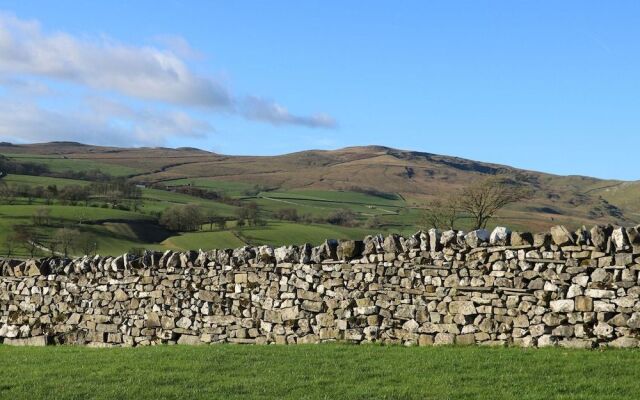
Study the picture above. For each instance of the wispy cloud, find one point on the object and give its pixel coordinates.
(260, 109)
(100, 122)
(102, 68)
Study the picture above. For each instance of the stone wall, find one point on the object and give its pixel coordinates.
(574, 289)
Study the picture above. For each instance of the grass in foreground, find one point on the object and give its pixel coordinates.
(317, 371)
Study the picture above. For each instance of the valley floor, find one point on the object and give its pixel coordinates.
(318, 372)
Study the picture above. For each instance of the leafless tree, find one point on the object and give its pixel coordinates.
(27, 237)
(442, 213)
(67, 239)
(483, 199)
(10, 244)
(87, 245)
(41, 216)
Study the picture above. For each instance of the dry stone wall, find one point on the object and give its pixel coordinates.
(574, 289)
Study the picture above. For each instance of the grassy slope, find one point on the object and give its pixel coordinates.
(203, 240)
(158, 200)
(11, 215)
(281, 233)
(419, 176)
(315, 171)
(317, 372)
(60, 164)
(235, 189)
(41, 181)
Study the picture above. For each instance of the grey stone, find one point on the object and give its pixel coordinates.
(37, 341)
(521, 239)
(619, 238)
(500, 236)
(462, 307)
(477, 238)
(561, 236)
(183, 323)
(562, 306)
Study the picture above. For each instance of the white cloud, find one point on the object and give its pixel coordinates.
(103, 122)
(89, 70)
(142, 72)
(260, 109)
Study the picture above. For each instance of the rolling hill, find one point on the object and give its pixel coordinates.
(414, 177)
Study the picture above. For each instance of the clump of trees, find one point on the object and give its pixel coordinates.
(287, 214)
(117, 193)
(183, 217)
(248, 214)
(478, 202)
(256, 190)
(343, 217)
(9, 166)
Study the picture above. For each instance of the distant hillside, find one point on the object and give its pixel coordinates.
(415, 176)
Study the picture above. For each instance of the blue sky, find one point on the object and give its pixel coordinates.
(551, 86)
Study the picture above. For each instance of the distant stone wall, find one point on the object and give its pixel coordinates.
(573, 289)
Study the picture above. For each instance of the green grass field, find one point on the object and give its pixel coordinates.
(283, 233)
(203, 240)
(124, 233)
(336, 196)
(42, 181)
(317, 372)
(61, 164)
(158, 200)
(233, 189)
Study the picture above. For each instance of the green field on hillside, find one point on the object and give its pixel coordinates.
(283, 233)
(233, 189)
(41, 181)
(317, 372)
(61, 164)
(76, 217)
(338, 196)
(158, 200)
(203, 240)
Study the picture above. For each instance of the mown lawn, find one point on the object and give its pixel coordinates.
(317, 372)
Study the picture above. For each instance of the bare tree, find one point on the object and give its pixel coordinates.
(10, 244)
(87, 245)
(67, 239)
(7, 195)
(442, 213)
(211, 218)
(27, 237)
(54, 245)
(41, 216)
(483, 199)
(221, 223)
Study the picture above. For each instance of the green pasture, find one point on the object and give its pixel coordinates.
(62, 164)
(233, 189)
(327, 371)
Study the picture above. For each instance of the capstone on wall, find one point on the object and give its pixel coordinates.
(573, 289)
